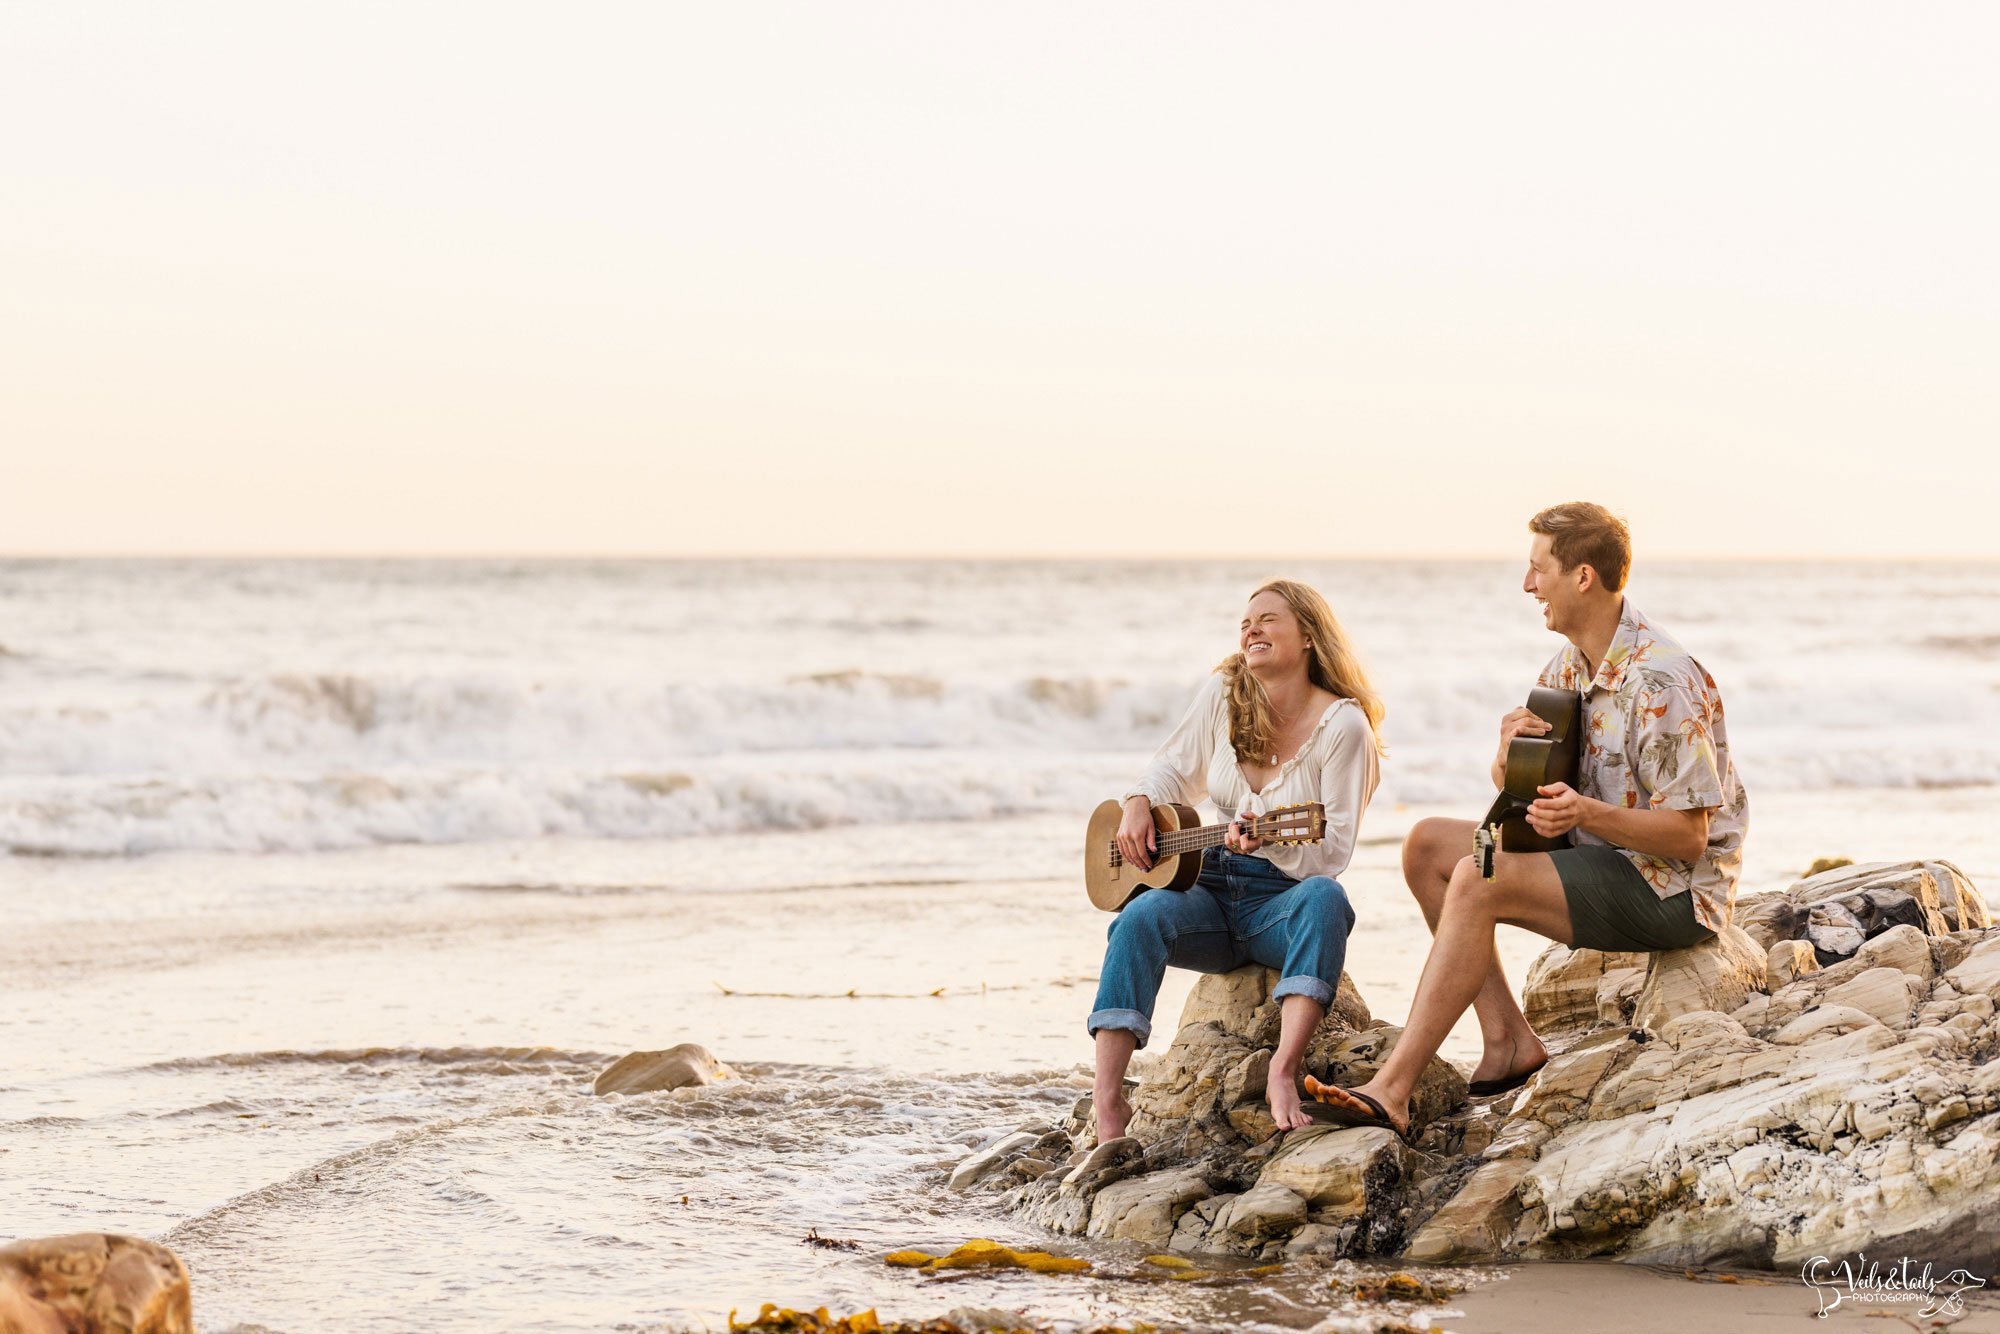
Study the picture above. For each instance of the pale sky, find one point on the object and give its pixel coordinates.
(997, 279)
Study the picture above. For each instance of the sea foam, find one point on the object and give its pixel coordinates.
(261, 707)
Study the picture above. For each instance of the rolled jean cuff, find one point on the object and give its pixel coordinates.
(1302, 985)
(1139, 1024)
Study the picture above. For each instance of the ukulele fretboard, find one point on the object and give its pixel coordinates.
(1178, 841)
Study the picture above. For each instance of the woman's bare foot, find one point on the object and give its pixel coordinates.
(1281, 1090)
(1398, 1109)
(1509, 1059)
(1113, 1114)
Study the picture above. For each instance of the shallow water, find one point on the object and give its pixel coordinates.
(352, 1089)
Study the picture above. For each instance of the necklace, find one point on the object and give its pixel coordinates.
(1284, 722)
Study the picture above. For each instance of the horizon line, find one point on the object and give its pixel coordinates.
(1157, 558)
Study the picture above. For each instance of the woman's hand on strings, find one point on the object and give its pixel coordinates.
(1136, 843)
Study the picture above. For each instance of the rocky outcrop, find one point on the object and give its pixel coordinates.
(1204, 1168)
(1145, 1208)
(1570, 991)
(1819, 1083)
(684, 1066)
(1838, 909)
(1720, 975)
(1821, 1079)
(93, 1283)
(1207, 1094)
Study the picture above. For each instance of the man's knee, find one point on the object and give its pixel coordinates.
(1431, 848)
(1468, 892)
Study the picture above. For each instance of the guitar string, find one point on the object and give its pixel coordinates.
(1178, 841)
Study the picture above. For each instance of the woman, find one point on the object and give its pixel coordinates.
(1290, 717)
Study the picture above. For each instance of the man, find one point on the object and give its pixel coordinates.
(1658, 820)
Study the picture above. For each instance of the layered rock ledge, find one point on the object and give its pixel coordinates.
(1819, 1080)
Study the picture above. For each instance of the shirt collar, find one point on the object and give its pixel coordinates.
(1630, 636)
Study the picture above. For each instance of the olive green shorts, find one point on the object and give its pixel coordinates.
(1612, 908)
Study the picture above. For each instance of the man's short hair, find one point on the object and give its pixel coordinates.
(1581, 533)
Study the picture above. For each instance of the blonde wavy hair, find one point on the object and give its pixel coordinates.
(1331, 664)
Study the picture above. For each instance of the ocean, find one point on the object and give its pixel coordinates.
(327, 887)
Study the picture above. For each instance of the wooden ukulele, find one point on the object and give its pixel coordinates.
(1180, 838)
(1532, 762)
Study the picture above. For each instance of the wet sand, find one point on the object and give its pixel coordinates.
(1648, 1300)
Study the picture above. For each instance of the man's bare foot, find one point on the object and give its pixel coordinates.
(1281, 1090)
(1398, 1109)
(1509, 1059)
(1112, 1114)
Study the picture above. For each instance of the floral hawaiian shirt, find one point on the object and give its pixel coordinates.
(1653, 737)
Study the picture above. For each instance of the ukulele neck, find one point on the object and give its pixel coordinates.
(1175, 842)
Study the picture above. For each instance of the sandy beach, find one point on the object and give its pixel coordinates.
(1637, 1297)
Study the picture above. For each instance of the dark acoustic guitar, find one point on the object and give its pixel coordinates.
(1179, 838)
(1532, 762)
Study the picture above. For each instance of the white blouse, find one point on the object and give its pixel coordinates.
(1337, 767)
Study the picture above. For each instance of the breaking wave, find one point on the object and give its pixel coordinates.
(300, 763)
(371, 723)
(271, 813)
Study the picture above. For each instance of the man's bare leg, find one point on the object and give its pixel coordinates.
(1509, 1043)
(1107, 1099)
(1525, 891)
(1298, 1018)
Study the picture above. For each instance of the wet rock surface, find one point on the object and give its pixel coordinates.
(1784, 1091)
(93, 1283)
(686, 1066)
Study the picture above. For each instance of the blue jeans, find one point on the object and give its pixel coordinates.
(1242, 910)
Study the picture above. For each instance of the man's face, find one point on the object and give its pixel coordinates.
(1552, 586)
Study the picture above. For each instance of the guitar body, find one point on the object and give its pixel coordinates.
(1110, 886)
(1533, 762)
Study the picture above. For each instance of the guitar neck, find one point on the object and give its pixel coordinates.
(1177, 841)
(1194, 840)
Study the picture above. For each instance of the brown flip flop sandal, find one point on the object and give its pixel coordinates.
(1343, 1115)
(1488, 1088)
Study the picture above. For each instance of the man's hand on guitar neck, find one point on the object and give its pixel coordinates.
(1136, 843)
(1523, 721)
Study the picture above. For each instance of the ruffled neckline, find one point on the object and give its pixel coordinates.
(1298, 754)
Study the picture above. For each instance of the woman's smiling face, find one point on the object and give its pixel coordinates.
(1270, 637)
